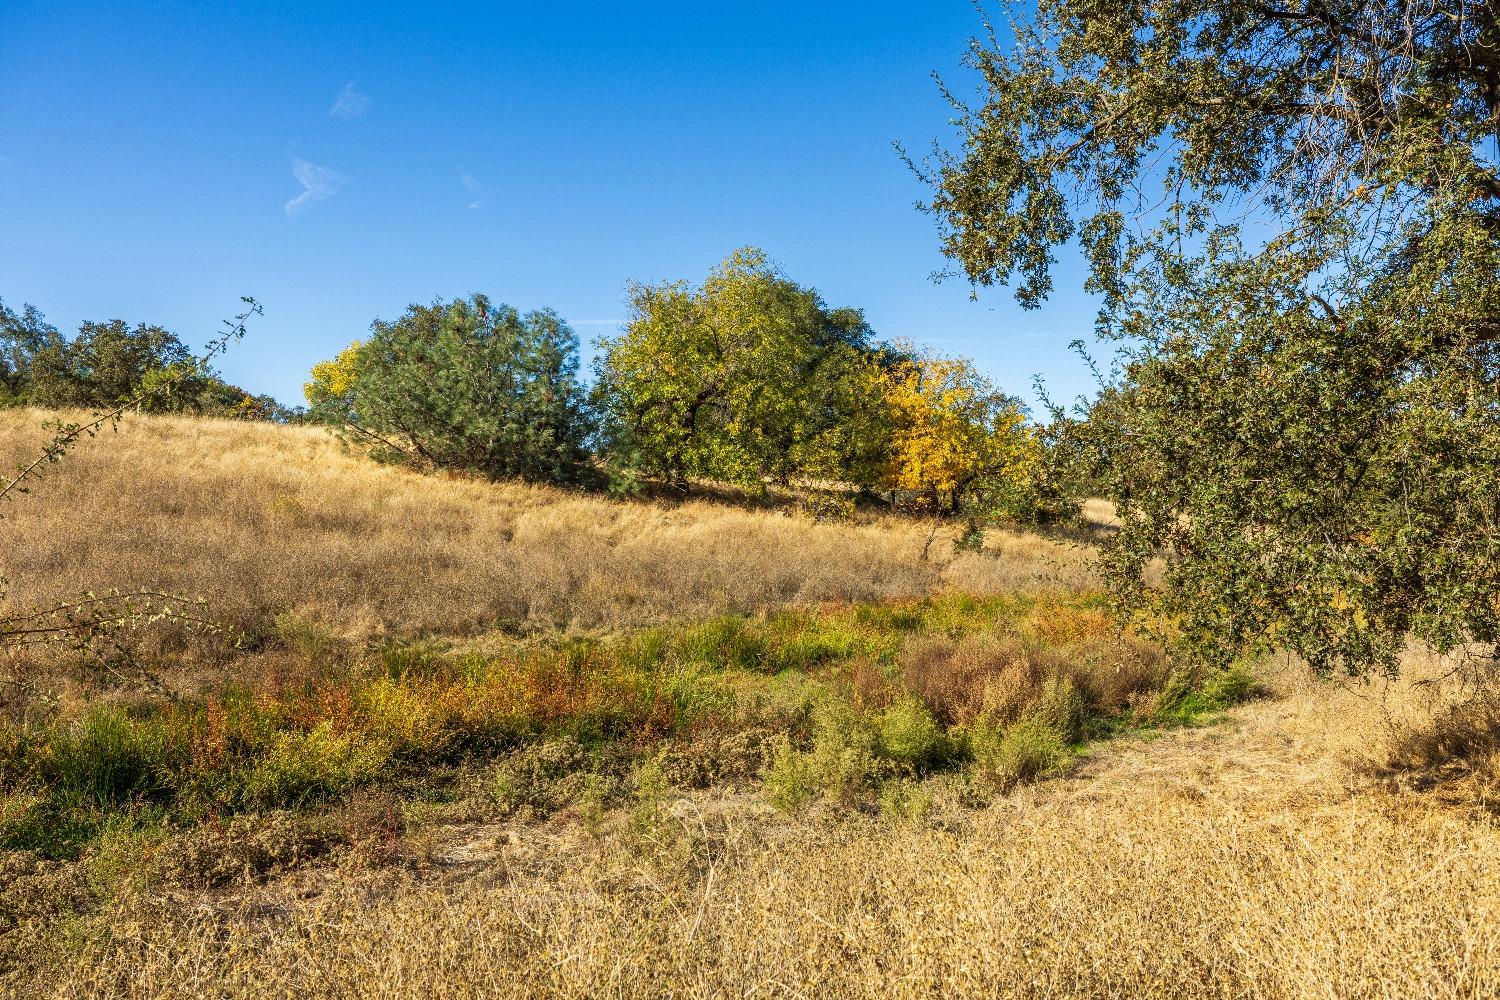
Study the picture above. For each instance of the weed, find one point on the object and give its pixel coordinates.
(905, 800)
(909, 734)
(1022, 751)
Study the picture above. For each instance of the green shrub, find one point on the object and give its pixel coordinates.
(302, 766)
(971, 539)
(542, 777)
(790, 782)
(909, 734)
(1229, 686)
(648, 796)
(1061, 708)
(1023, 751)
(841, 765)
(1185, 697)
(905, 800)
(844, 752)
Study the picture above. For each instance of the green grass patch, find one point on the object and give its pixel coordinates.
(1042, 673)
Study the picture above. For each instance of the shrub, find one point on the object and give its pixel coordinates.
(844, 753)
(1022, 751)
(1060, 708)
(462, 385)
(828, 507)
(971, 539)
(905, 800)
(840, 765)
(1114, 675)
(790, 781)
(301, 766)
(952, 678)
(410, 720)
(1229, 686)
(542, 777)
(909, 734)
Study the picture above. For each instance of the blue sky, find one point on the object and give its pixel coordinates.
(340, 161)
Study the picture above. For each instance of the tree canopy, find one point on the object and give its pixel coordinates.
(1292, 215)
(749, 377)
(954, 438)
(106, 363)
(466, 384)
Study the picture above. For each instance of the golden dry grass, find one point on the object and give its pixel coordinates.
(259, 519)
(1278, 855)
(1243, 860)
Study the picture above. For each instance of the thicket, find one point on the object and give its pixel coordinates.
(107, 363)
(749, 379)
(846, 703)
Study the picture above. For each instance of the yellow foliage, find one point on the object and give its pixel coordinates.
(949, 429)
(334, 378)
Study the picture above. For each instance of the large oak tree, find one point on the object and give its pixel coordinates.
(1291, 210)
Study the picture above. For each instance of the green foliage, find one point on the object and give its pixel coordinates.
(749, 377)
(790, 781)
(299, 766)
(463, 385)
(971, 539)
(1022, 751)
(108, 760)
(1302, 425)
(1186, 698)
(1061, 708)
(905, 800)
(108, 363)
(909, 734)
(25, 337)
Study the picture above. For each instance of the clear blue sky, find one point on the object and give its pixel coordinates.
(545, 154)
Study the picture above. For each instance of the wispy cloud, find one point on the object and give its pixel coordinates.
(476, 190)
(350, 103)
(318, 184)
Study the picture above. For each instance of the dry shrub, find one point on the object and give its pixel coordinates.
(1112, 673)
(960, 679)
(1007, 693)
(870, 687)
(1461, 740)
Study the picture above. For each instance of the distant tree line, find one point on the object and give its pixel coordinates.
(108, 362)
(747, 379)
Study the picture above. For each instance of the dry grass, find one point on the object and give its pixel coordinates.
(1243, 860)
(1315, 844)
(260, 519)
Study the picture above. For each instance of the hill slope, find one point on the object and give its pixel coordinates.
(258, 518)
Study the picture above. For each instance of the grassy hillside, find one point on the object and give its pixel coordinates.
(259, 518)
(496, 740)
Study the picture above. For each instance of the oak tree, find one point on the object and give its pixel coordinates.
(1291, 211)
